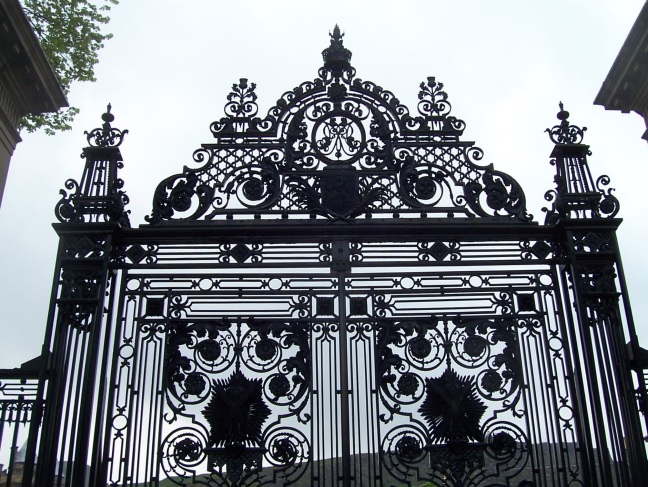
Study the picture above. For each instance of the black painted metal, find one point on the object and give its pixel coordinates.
(20, 415)
(338, 294)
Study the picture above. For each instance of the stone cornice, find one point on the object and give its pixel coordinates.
(626, 86)
(25, 74)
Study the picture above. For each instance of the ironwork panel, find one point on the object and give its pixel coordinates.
(204, 333)
(342, 366)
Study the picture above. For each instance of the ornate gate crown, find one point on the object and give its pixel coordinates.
(338, 148)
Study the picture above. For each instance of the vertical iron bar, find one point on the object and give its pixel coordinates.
(133, 396)
(46, 465)
(74, 378)
(34, 429)
(3, 405)
(637, 449)
(14, 442)
(314, 404)
(589, 362)
(87, 403)
(344, 383)
(558, 314)
(3, 408)
(578, 389)
(112, 390)
(97, 475)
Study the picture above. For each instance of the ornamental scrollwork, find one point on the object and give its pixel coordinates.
(449, 381)
(609, 205)
(236, 381)
(342, 149)
(497, 194)
(78, 297)
(135, 254)
(489, 346)
(564, 132)
(106, 136)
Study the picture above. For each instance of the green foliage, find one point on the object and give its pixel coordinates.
(70, 34)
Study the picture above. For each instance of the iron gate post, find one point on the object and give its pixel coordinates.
(584, 211)
(594, 270)
(78, 330)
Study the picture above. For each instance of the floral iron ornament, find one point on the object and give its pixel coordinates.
(339, 149)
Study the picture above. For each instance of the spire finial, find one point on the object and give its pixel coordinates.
(337, 58)
(106, 136)
(563, 114)
(108, 117)
(564, 133)
(336, 35)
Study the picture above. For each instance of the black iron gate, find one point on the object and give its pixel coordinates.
(339, 294)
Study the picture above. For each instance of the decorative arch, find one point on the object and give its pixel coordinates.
(338, 148)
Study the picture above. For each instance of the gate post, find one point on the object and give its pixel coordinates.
(610, 435)
(79, 321)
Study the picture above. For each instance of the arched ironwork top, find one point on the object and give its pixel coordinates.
(338, 148)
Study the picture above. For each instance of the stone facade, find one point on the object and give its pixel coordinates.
(626, 86)
(27, 82)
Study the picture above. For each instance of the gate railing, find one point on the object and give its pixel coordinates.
(639, 363)
(21, 406)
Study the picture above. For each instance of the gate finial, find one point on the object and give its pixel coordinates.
(577, 194)
(99, 196)
(337, 58)
(106, 136)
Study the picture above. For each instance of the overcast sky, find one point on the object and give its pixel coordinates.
(167, 71)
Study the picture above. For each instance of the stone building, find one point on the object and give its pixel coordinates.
(626, 86)
(27, 83)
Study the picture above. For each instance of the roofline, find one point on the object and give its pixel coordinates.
(33, 86)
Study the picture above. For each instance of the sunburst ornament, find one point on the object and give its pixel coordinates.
(452, 409)
(236, 411)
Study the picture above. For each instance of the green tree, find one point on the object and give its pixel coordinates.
(70, 33)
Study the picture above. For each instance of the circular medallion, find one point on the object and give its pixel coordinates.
(338, 138)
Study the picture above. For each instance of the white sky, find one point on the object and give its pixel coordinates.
(167, 71)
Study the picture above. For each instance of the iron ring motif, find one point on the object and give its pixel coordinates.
(339, 138)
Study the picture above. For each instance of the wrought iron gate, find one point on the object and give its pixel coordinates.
(339, 294)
